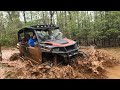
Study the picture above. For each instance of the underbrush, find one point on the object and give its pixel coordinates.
(9, 40)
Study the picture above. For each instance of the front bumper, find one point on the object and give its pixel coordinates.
(68, 53)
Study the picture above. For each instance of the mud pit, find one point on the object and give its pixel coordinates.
(6, 53)
(93, 67)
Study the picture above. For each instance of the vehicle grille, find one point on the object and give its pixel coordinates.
(70, 47)
(73, 52)
(62, 49)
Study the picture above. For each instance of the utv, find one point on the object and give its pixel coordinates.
(54, 48)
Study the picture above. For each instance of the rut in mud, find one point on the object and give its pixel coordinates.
(92, 67)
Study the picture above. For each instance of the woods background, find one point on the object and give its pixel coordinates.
(87, 27)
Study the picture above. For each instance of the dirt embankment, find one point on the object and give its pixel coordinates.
(92, 67)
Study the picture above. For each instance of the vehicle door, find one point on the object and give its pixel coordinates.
(35, 52)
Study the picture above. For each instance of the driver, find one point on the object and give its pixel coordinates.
(32, 41)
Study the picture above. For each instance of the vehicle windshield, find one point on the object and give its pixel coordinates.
(50, 35)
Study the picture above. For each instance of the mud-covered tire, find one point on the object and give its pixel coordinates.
(21, 51)
(66, 61)
(43, 58)
(46, 57)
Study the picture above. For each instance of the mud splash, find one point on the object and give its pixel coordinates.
(92, 67)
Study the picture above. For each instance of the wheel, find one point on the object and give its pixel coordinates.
(66, 60)
(43, 58)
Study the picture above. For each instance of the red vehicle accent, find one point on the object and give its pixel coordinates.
(70, 42)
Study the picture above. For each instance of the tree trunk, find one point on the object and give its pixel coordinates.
(70, 20)
(51, 16)
(0, 53)
(65, 19)
(70, 15)
(57, 18)
(10, 16)
(78, 22)
(31, 14)
(24, 15)
(43, 15)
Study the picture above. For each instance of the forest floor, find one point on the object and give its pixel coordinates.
(20, 69)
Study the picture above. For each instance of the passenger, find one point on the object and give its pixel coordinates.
(32, 41)
(27, 36)
(42, 35)
(50, 34)
(58, 34)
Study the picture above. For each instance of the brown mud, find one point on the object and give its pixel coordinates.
(98, 65)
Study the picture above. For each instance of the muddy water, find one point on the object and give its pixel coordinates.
(114, 72)
(7, 65)
(7, 53)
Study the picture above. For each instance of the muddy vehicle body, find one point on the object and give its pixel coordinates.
(55, 48)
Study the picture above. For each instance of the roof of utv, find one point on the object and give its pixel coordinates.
(38, 28)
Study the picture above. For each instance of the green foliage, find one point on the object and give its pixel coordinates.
(74, 24)
(8, 40)
(112, 33)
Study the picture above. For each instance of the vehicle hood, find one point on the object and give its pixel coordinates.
(60, 42)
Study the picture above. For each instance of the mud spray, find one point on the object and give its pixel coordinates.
(92, 67)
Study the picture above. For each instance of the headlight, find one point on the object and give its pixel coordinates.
(18, 45)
